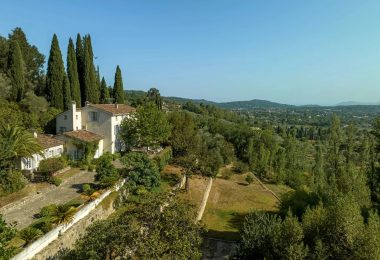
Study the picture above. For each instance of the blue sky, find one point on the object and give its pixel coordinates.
(298, 52)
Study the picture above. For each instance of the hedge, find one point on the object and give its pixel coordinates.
(163, 158)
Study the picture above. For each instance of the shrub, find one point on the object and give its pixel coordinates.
(86, 188)
(30, 234)
(12, 181)
(48, 210)
(55, 180)
(44, 224)
(91, 167)
(226, 174)
(240, 167)
(141, 170)
(52, 165)
(163, 158)
(249, 178)
(106, 173)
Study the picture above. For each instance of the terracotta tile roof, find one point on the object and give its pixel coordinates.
(116, 109)
(48, 141)
(83, 135)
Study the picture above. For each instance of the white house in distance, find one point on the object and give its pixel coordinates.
(92, 123)
(51, 148)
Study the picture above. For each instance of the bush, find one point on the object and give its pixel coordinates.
(48, 210)
(106, 173)
(226, 174)
(163, 158)
(55, 180)
(249, 178)
(91, 167)
(141, 170)
(12, 181)
(240, 167)
(30, 234)
(52, 165)
(86, 188)
(44, 224)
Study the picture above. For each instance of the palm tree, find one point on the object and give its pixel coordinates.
(15, 142)
(63, 214)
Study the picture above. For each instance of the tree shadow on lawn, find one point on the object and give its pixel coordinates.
(224, 235)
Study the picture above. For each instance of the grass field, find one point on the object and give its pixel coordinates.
(230, 201)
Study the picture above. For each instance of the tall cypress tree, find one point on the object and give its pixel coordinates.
(72, 73)
(98, 83)
(89, 72)
(118, 90)
(104, 93)
(80, 65)
(16, 71)
(66, 93)
(55, 75)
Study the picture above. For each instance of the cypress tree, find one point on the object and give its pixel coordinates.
(104, 93)
(98, 83)
(16, 71)
(55, 75)
(79, 51)
(72, 73)
(92, 93)
(66, 93)
(118, 90)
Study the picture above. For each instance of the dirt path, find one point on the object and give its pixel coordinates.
(24, 212)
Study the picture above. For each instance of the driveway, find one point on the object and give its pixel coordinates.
(68, 190)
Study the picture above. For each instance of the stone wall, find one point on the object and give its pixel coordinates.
(67, 240)
(51, 242)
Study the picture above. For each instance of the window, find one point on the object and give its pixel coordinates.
(28, 163)
(62, 129)
(117, 129)
(65, 117)
(76, 117)
(93, 116)
(60, 151)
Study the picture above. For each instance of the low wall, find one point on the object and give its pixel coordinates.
(37, 246)
(204, 200)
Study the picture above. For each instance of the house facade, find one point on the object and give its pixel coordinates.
(93, 122)
(51, 148)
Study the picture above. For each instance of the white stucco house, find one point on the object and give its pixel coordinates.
(51, 148)
(92, 123)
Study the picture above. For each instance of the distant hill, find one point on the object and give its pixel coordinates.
(355, 103)
(236, 105)
(253, 104)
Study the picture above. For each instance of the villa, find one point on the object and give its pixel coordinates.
(93, 123)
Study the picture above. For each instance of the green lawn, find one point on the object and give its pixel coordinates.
(230, 201)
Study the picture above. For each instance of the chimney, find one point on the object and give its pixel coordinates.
(73, 106)
(116, 105)
(87, 103)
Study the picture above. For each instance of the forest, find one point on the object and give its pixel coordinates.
(328, 157)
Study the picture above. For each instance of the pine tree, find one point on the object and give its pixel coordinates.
(16, 71)
(55, 75)
(89, 72)
(104, 93)
(66, 93)
(118, 89)
(79, 51)
(72, 73)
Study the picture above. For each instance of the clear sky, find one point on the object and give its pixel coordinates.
(298, 52)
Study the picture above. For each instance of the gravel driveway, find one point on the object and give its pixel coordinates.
(68, 190)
